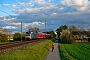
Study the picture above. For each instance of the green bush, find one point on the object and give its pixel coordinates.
(66, 37)
(53, 39)
(17, 36)
(3, 38)
(66, 40)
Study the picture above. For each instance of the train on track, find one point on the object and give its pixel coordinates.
(36, 35)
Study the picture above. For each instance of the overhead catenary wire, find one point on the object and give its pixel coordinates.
(7, 12)
(11, 16)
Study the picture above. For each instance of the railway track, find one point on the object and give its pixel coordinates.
(16, 45)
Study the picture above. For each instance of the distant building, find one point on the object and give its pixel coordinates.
(10, 37)
(77, 37)
(81, 38)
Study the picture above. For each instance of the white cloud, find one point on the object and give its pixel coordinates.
(16, 23)
(68, 11)
(36, 24)
(33, 24)
(8, 20)
(19, 11)
(53, 14)
(46, 5)
(24, 4)
(41, 6)
(10, 27)
(1, 16)
(29, 3)
(82, 8)
(66, 2)
(79, 5)
(33, 10)
(25, 25)
(80, 2)
(6, 4)
(14, 5)
(75, 2)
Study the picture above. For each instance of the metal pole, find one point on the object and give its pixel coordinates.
(45, 28)
(21, 30)
(45, 25)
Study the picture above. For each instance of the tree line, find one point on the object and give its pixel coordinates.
(66, 34)
(17, 36)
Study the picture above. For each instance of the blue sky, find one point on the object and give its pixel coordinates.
(33, 13)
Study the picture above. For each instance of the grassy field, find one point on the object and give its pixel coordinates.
(76, 51)
(34, 52)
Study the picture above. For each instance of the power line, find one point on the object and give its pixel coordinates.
(5, 12)
(8, 8)
(4, 6)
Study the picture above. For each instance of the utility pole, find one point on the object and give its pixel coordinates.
(45, 25)
(21, 30)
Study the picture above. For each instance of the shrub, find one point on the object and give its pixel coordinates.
(66, 37)
(17, 36)
(3, 38)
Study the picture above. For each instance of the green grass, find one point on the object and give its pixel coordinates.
(35, 52)
(4, 42)
(76, 51)
(8, 42)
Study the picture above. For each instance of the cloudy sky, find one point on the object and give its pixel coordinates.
(33, 13)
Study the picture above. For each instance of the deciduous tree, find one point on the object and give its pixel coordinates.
(17, 36)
